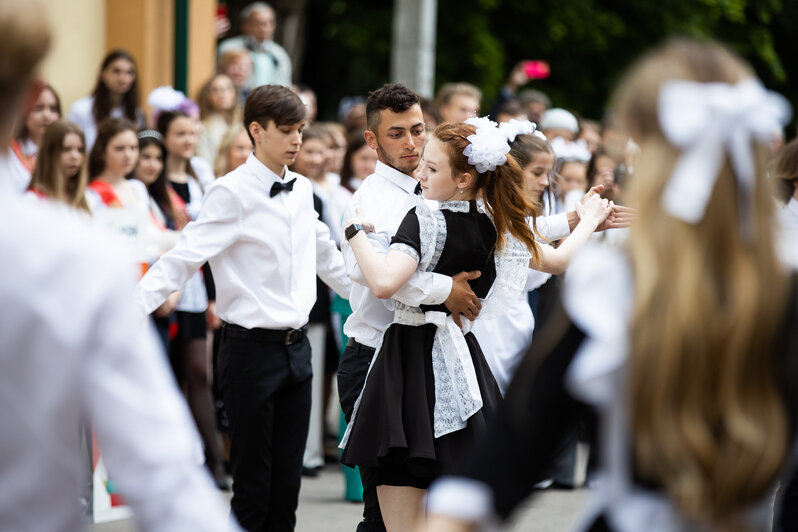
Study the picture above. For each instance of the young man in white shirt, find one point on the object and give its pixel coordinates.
(396, 131)
(259, 232)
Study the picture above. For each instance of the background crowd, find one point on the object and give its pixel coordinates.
(142, 163)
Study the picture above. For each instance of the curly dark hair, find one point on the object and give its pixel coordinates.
(393, 96)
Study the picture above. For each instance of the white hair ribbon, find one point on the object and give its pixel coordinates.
(488, 147)
(706, 120)
(512, 128)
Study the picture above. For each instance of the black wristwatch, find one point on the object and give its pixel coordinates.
(352, 230)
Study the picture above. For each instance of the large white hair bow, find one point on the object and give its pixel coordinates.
(487, 147)
(706, 120)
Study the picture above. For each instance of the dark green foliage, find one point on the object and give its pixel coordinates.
(587, 42)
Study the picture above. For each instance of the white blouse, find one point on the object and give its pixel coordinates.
(81, 114)
(788, 217)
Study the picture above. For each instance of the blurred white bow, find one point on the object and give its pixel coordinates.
(706, 120)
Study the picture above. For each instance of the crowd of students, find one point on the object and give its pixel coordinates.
(440, 240)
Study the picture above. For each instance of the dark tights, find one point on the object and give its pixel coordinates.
(196, 382)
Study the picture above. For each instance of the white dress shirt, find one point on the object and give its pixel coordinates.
(384, 199)
(334, 199)
(76, 348)
(264, 251)
(14, 176)
(788, 243)
(82, 115)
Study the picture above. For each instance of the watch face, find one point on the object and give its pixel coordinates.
(352, 230)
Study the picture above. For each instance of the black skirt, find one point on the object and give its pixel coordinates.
(393, 428)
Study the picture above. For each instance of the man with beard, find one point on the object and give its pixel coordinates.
(396, 132)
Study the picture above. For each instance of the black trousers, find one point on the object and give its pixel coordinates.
(352, 371)
(788, 517)
(266, 391)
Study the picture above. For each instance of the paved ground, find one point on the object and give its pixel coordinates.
(322, 509)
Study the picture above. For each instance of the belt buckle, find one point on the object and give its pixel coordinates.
(291, 336)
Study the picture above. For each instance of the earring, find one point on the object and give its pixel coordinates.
(462, 191)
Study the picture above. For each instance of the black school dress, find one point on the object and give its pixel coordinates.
(393, 426)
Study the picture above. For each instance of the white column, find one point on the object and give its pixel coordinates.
(413, 51)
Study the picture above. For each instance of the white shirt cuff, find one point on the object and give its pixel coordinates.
(441, 288)
(557, 226)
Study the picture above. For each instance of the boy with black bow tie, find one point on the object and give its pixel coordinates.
(265, 244)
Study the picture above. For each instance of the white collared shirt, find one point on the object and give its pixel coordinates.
(14, 177)
(82, 114)
(384, 199)
(75, 348)
(788, 244)
(264, 251)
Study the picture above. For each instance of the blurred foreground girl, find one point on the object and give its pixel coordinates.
(685, 342)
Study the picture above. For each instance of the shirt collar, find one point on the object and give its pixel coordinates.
(403, 181)
(262, 172)
(258, 45)
(792, 206)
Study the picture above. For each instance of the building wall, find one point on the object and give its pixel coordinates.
(201, 44)
(85, 30)
(78, 47)
(146, 29)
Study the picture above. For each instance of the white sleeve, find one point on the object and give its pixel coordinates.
(330, 262)
(216, 228)
(146, 434)
(463, 499)
(423, 288)
(80, 113)
(553, 227)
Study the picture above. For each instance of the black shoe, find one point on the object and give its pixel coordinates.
(311, 472)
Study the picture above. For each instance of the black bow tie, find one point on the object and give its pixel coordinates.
(278, 187)
(417, 190)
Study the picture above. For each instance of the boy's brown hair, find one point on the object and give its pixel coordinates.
(273, 103)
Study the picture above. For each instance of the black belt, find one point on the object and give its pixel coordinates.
(270, 336)
(357, 345)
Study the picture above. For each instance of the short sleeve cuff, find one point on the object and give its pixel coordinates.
(461, 498)
(404, 248)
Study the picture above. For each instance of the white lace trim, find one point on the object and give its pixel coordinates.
(440, 239)
(455, 206)
(404, 248)
(427, 232)
(512, 269)
(457, 395)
